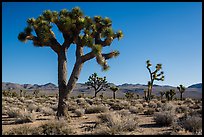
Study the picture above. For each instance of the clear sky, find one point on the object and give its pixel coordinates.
(167, 33)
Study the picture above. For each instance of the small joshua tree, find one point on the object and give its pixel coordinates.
(162, 93)
(114, 89)
(172, 93)
(167, 94)
(129, 95)
(181, 89)
(36, 92)
(97, 83)
(154, 75)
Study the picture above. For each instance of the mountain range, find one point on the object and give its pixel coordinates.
(194, 91)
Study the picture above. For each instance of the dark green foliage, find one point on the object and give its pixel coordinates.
(97, 83)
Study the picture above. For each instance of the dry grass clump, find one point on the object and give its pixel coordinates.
(89, 101)
(53, 127)
(72, 106)
(96, 109)
(149, 111)
(192, 124)
(167, 107)
(152, 105)
(181, 109)
(164, 118)
(136, 109)
(26, 117)
(124, 112)
(32, 107)
(79, 112)
(13, 112)
(47, 111)
(115, 124)
(188, 101)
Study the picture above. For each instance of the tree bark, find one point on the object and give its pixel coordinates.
(62, 83)
(181, 96)
(113, 95)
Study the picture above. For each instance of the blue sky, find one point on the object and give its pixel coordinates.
(167, 33)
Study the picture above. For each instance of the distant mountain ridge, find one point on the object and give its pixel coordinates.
(194, 90)
(9, 85)
(199, 85)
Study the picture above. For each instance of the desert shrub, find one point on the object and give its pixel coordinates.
(22, 130)
(90, 101)
(164, 118)
(152, 105)
(79, 112)
(163, 101)
(167, 107)
(114, 124)
(192, 123)
(53, 127)
(136, 109)
(181, 109)
(116, 106)
(13, 112)
(124, 112)
(195, 112)
(26, 117)
(159, 104)
(95, 109)
(28, 101)
(47, 111)
(56, 127)
(80, 100)
(145, 104)
(194, 106)
(188, 101)
(32, 107)
(54, 107)
(72, 106)
(149, 111)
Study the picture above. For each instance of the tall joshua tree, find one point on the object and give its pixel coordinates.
(181, 89)
(78, 30)
(157, 74)
(114, 89)
(97, 83)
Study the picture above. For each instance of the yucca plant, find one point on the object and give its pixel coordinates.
(181, 89)
(114, 89)
(157, 74)
(97, 83)
(78, 29)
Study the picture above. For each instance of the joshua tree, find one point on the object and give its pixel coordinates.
(114, 89)
(167, 94)
(145, 95)
(21, 93)
(97, 83)
(78, 30)
(181, 89)
(162, 94)
(172, 93)
(129, 95)
(154, 75)
(36, 92)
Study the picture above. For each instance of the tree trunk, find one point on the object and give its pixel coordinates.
(181, 96)
(113, 95)
(62, 84)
